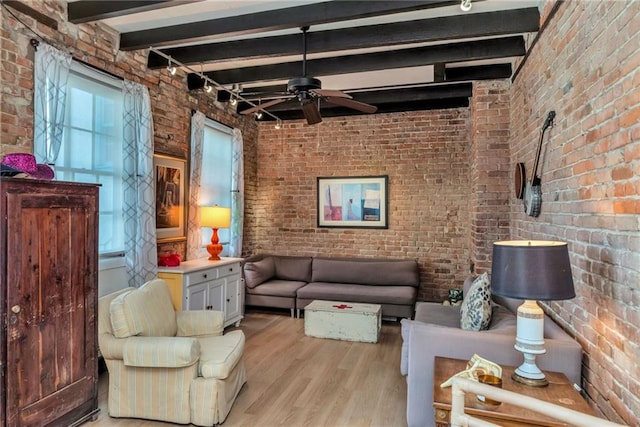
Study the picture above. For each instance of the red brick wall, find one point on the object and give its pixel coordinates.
(97, 45)
(586, 67)
(489, 199)
(426, 156)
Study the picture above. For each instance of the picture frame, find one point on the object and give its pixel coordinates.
(170, 188)
(353, 202)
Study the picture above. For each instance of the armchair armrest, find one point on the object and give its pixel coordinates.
(199, 323)
(160, 352)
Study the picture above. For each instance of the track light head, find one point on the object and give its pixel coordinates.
(259, 115)
(278, 125)
(233, 101)
(465, 5)
(208, 88)
(171, 68)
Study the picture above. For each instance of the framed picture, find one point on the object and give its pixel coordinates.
(353, 202)
(169, 181)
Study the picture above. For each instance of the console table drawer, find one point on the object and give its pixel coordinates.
(200, 276)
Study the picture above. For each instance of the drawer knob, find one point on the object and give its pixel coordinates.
(15, 309)
(204, 275)
(231, 269)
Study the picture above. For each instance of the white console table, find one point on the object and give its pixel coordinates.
(201, 284)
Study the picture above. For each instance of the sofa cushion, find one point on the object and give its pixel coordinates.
(438, 314)
(366, 271)
(258, 272)
(146, 311)
(278, 288)
(293, 268)
(401, 295)
(219, 355)
(475, 313)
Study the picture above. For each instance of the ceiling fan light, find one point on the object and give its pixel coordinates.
(465, 5)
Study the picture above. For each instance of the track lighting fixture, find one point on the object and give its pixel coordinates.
(171, 68)
(278, 125)
(209, 85)
(465, 5)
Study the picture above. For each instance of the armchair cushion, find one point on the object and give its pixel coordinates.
(220, 355)
(146, 311)
(160, 352)
(199, 323)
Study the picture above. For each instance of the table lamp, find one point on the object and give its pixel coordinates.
(531, 270)
(215, 217)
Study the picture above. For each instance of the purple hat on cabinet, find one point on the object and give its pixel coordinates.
(26, 163)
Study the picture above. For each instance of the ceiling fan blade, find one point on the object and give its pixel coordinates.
(311, 112)
(351, 103)
(263, 106)
(330, 92)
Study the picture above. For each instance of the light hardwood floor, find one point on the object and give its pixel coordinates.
(295, 380)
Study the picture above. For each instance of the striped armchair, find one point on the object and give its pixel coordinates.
(165, 365)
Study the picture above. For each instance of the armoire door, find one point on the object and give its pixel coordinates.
(51, 367)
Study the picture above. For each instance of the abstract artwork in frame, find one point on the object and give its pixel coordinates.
(353, 202)
(169, 181)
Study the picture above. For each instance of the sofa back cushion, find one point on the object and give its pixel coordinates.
(366, 271)
(293, 268)
(146, 311)
(258, 272)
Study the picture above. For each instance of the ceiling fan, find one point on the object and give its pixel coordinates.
(308, 92)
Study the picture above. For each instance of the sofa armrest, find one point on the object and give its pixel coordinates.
(194, 323)
(425, 341)
(160, 352)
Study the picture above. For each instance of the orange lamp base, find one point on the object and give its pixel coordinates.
(214, 248)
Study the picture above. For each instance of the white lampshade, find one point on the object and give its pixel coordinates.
(215, 217)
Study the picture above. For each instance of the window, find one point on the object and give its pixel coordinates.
(91, 149)
(215, 182)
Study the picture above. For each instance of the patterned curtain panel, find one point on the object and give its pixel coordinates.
(51, 73)
(139, 199)
(194, 232)
(237, 195)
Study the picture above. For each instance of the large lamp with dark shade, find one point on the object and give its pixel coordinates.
(531, 270)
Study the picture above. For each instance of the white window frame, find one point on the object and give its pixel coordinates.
(113, 258)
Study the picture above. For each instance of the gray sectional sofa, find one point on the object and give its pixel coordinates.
(293, 282)
(436, 332)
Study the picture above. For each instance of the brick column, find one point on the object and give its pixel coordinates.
(490, 170)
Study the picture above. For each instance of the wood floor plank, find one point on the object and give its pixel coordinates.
(300, 381)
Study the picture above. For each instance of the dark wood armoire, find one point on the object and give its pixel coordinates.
(48, 287)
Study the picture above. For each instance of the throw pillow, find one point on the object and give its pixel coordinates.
(475, 313)
(259, 271)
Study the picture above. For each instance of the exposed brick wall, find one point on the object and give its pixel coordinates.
(586, 67)
(426, 156)
(489, 201)
(97, 44)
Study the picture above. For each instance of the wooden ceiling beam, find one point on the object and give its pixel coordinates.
(83, 11)
(400, 58)
(271, 20)
(417, 31)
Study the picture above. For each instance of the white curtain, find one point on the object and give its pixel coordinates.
(139, 195)
(51, 73)
(237, 195)
(194, 232)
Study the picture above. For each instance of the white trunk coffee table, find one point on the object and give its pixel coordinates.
(343, 321)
